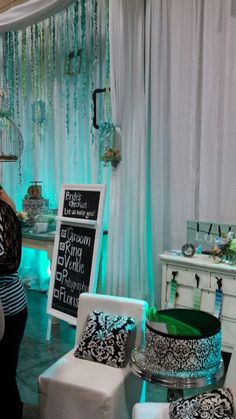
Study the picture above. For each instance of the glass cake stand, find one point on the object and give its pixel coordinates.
(175, 381)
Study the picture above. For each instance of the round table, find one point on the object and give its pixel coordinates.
(175, 381)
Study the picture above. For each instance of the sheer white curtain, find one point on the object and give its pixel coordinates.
(63, 147)
(173, 89)
(190, 101)
(218, 129)
(129, 240)
(178, 161)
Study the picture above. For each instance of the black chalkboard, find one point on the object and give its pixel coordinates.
(81, 204)
(73, 267)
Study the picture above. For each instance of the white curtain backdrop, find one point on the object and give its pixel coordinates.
(173, 87)
(64, 147)
(173, 99)
(68, 151)
(178, 138)
(129, 270)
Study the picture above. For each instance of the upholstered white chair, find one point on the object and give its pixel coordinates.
(161, 410)
(75, 388)
(2, 321)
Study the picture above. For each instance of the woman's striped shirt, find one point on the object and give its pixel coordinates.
(12, 293)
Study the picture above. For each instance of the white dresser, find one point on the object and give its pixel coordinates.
(207, 271)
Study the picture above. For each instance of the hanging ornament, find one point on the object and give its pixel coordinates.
(38, 111)
(72, 63)
(24, 65)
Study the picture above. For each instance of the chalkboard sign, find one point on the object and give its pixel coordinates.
(73, 267)
(81, 204)
(77, 248)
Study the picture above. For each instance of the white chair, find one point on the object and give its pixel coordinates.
(2, 321)
(74, 388)
(161, 410)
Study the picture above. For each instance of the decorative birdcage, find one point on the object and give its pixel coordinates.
(11, 140)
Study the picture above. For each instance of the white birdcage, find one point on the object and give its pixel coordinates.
(11, 140)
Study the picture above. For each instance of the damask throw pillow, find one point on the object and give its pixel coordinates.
(216, 404)
(104, 339)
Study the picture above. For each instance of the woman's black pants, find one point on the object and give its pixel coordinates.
(10, 402)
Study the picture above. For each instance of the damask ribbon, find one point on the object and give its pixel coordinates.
(173, 286)
(218, 299)
(197, 298)
(197, 294)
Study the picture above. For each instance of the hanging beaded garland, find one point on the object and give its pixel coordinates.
(33, 72)
(51, 63)
(24, 65)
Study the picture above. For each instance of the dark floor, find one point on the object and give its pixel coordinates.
(37, 354)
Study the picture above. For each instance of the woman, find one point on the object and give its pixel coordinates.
(13, 298)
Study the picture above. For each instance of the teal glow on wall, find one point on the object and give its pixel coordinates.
(35, 269)
(101, 286)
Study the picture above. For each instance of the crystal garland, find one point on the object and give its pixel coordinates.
(32, 72)
(94, 47)
(75, 78)
(84, 72)
(67, 37)
(36, 90)
(17, 104)
(51, 64)
(24, 65)
(10, 72)
(29, 61)
(76, 47)
(62, 24)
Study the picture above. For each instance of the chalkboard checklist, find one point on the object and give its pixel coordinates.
(82, 204)
(73, 266)
(77, 248)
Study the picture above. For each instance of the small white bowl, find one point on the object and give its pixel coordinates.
(41, 227)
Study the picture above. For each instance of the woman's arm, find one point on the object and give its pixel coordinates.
(4, 197)
(10, 240)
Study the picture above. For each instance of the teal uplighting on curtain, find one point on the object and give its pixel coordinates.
(37, 274)
(51, 70)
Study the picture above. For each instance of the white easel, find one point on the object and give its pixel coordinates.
(86, 201)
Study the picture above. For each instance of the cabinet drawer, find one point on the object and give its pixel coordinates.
(228, 333)
(228, 283)
(229, 307)
(185, 296)
(186, 276)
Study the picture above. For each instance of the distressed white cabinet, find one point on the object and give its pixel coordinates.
(208, 272)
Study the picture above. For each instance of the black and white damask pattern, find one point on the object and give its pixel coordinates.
(216, 404)
(173, 354)
(104, 339)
